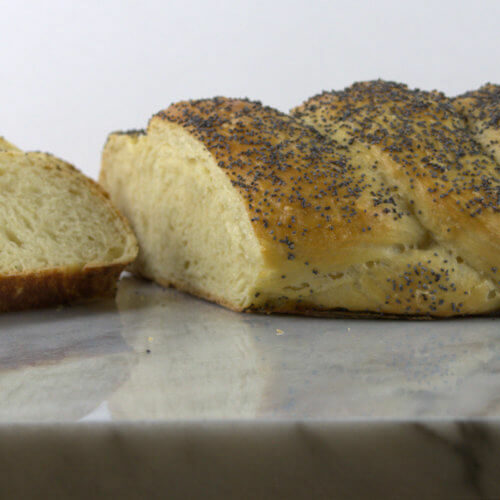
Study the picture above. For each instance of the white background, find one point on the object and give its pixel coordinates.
(71, 72)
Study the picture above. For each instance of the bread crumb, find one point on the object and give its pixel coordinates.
(279, 332)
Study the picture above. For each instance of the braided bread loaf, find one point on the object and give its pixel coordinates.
(372, 201)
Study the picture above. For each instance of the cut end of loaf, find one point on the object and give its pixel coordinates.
(193, 228)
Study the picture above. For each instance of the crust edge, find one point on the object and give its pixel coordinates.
(57, 286)
(296, 309)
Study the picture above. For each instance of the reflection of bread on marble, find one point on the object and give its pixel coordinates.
(64, 391)
(251, 208)
(410, 370)
(53, 369)
(61, 237)
(207, 367)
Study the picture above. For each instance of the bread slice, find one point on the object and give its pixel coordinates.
(61, 238)
(246, 206)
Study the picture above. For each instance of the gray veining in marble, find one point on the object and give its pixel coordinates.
(159, 354)
(386, 460)
(160, 395)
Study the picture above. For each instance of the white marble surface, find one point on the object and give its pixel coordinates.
(292, 407)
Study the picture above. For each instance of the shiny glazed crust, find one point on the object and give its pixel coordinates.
(303, 193)
(424, 146)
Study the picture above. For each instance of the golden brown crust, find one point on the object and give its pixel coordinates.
(482, 104)
(424, 145)
(481, 109)
(303, 193)
(418, 130)
(57, 286)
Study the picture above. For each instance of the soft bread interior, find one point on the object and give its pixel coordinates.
(51, 216)
(193, 227)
